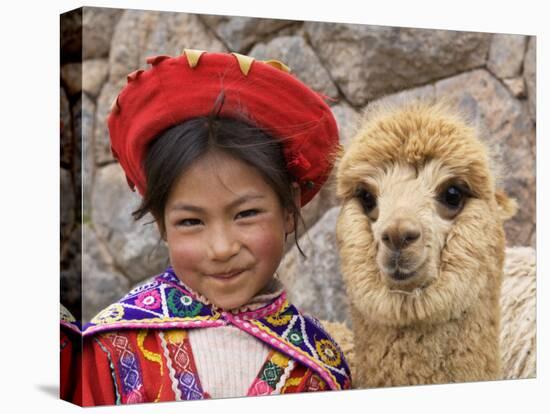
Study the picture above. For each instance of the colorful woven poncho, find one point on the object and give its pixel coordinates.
(137, 350)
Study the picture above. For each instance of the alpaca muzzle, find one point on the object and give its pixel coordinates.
(402, 251)
(402, 234)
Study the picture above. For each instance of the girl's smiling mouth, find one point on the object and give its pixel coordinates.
(225, 276)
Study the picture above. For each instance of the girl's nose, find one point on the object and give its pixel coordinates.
(222, 245)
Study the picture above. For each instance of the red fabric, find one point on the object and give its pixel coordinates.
(69, 366)
(172, 92)
(97, 379)
(97, 382)
(96, 385)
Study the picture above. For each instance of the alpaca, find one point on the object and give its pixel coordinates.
(518, 328)
(421, 241)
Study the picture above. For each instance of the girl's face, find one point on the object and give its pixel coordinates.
(225, 230)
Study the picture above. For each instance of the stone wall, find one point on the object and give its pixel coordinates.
(491, 75)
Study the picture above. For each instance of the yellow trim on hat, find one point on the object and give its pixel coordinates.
(193, 56)
(245, 62)
(278, 64)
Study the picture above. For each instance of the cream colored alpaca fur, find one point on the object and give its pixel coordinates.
(518, 329)
(518, 334)
(442, 323)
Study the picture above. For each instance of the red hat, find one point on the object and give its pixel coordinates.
(180, 88)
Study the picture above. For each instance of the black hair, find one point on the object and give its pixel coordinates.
(173, 151)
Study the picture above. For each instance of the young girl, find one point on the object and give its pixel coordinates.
(224, 150)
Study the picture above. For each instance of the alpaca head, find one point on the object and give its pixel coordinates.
(420, 231)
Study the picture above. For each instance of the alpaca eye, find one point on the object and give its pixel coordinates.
(452, 197)
(367, 199)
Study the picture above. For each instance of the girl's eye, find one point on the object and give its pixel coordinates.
(247, 213)
(189, 222)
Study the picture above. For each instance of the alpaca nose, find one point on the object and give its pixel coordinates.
(401, 234)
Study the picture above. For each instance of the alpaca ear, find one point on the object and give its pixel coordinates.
(507, 207)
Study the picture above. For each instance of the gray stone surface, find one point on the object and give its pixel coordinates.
(71, 74)
(370, 61)
(304, 63)
(424, 93)
(347, 119)
(102, 284)
(77, 155)
(529, 73)
(94, 74)
(315, 284)
(240, 33)
(136, 247)
(88, 167)
(128, 40)
(140, 34)
(174, 32)
(101, 143)
(71, 35)
(97, 29)
(67, 204)
(510, 133)
(71, 271)
(506, 55)
(65, 127)
(310, 213)
(516, 86)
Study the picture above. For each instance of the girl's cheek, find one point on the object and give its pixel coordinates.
(184, 251)
(265, 240)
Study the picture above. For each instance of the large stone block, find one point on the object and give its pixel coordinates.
(101, 143)
(66, 130)
(305, 65)
(240, 33)
(94, 74)
(370, 61)
(67, 213)
(529, 74)
(98, 25)
(140, 34)
(136, 247)
(102, 283)
(314, 284)
(71, 74)
(507, 128)
(88, 166)
(506, 55)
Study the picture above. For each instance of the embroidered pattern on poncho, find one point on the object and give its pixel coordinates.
(279, 374)
(67, 320)
(165, 303)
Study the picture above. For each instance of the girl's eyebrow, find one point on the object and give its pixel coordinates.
(244, 198)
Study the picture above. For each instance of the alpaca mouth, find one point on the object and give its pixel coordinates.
(399, 272)
(400, 275)
(400, 268)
